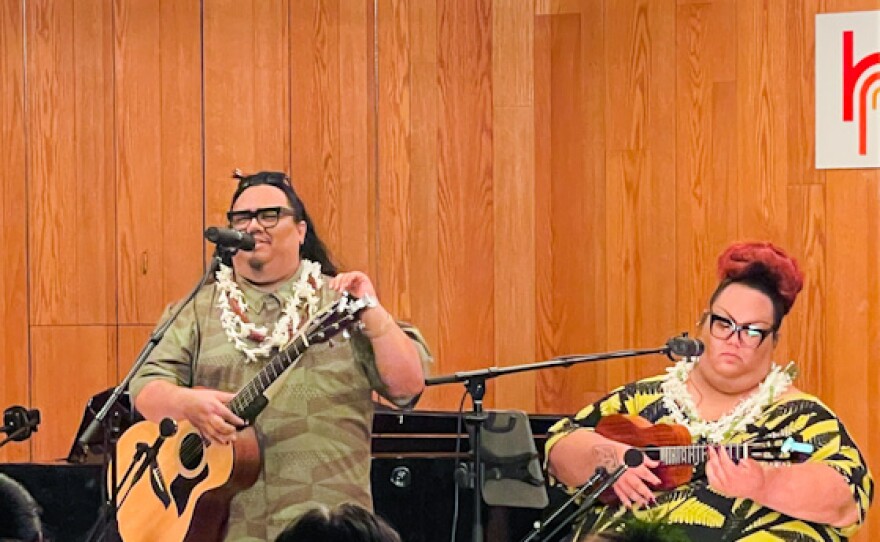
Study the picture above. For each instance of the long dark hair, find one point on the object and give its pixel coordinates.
(312, 248)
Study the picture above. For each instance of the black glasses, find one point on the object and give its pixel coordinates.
(267, 217)
(750, 336)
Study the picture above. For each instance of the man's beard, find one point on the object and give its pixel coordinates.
(256, 264)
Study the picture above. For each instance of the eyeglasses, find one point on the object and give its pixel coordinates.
(750, 336)
(267, 217)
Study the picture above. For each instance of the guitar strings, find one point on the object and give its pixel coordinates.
(193, 449)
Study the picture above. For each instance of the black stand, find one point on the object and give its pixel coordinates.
(541, 526)
(475, 384)
(105, 527)
(477, 389)
(15, 435)
(19, 423)
(608, 481)
(145, 456)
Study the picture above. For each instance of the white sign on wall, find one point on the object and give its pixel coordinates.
(848, 90)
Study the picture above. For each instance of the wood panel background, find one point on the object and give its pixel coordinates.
(521, 178)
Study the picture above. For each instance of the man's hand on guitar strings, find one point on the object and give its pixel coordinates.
(207, 411)
(745, 479)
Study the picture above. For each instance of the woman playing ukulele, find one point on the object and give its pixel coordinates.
(732, 394)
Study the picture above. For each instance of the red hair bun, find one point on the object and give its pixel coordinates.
(751, 259)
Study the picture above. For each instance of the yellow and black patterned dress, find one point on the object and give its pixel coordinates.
(704, 514)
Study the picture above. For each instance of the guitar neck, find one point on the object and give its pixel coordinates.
(253, 391)
(322, 327)
(692, 455)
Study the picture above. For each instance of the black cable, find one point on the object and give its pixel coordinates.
(455, 502)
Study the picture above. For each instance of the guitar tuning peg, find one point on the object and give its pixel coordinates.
(330, 343)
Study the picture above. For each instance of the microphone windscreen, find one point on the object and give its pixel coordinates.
(633, 458)
(167, 427)
(686, 346)
(230, 238)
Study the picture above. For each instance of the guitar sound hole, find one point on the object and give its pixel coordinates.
(191, 451)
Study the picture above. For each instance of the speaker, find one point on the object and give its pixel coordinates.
(417, 496)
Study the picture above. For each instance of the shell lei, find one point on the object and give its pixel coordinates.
(233, 311)
(678, 401)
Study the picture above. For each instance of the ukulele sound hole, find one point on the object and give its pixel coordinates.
(191, 451)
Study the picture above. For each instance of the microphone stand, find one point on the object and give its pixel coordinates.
(111, 501)
(475, 384)
(600, 473)
(147, 455)
(588, 502)
(16, 435)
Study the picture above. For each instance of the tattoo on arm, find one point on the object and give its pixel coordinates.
(606, 456)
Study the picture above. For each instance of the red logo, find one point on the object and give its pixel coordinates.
(851, 75)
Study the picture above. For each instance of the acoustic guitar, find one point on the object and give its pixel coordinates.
(183, 490)
(672, 445)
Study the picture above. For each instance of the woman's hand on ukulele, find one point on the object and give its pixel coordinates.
(207, 411)
(632, 488)
(744, 479)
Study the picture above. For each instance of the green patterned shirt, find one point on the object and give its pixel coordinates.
(704, 514)
(315, 432)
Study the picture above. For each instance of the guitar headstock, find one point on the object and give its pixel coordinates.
(780, 449)
(337, 318)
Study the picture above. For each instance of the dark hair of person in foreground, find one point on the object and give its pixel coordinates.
(19, 513)
(344, 523)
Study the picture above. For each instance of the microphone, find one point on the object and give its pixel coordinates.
(230, 238)
(685, 346)
(632, 458)
(19, 422)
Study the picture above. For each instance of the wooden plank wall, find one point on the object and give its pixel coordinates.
(522, 179)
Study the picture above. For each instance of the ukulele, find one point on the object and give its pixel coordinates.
(672, 445)
(183, 491)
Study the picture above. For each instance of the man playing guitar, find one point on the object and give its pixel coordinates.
(314, 434)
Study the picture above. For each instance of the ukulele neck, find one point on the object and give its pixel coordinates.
(692, 455)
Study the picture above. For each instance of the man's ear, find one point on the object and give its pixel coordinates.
(302, 228)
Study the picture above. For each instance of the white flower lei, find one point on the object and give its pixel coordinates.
(303, 295)
(678, 401)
